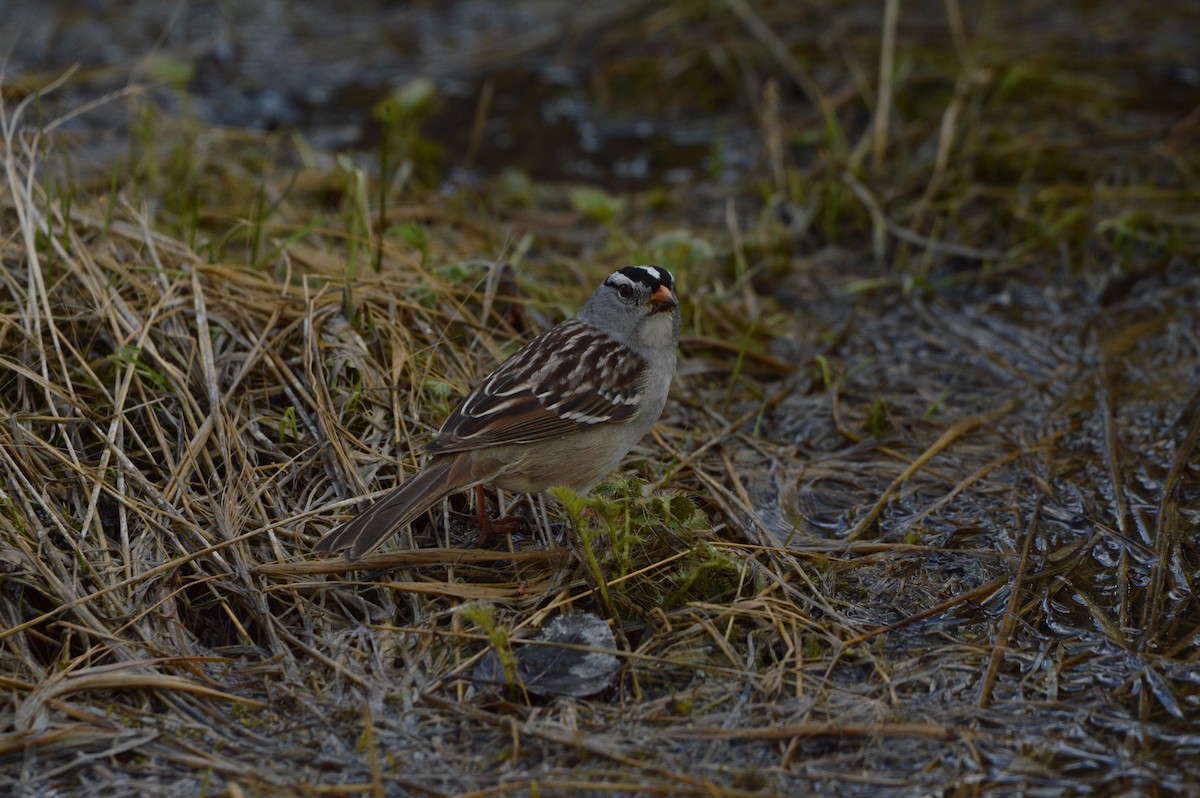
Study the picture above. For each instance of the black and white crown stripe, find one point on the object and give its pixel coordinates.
(647, 276)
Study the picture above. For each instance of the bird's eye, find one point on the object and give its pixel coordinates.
(625, 292)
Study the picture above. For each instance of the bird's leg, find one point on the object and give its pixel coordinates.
(488, 525)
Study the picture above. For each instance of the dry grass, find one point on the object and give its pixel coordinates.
(950, 540)
(177, 436)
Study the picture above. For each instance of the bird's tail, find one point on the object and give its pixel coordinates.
(361, 534)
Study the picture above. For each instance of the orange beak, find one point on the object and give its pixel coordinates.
(662, 300)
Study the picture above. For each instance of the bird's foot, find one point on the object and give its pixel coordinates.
(506, 525)
(488, 526)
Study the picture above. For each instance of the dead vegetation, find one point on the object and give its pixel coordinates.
(938, 529)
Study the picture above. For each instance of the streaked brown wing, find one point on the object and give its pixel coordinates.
(568, 378)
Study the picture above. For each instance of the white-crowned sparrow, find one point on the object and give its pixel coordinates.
(563, 410)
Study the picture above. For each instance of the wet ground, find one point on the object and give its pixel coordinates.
(1077, 468)
(321, 69)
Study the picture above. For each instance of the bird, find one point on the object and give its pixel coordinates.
(563, 410)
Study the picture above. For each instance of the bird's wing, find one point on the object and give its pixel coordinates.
(571, 377)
